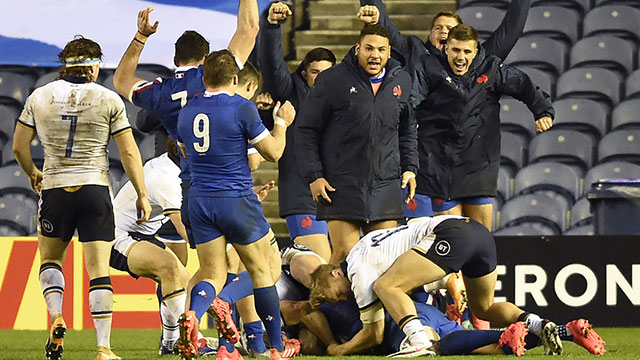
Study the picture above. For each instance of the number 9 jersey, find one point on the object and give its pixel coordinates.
(74, 122)
(216, 130)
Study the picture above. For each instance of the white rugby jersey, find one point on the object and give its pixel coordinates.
(74, 122)
(161, 177)
(378, 250)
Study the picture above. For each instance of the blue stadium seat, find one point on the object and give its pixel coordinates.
(544, 80)
(538, 208)
(19, 209)
(46, 78)
(626, 115)
(37, 153)
(527, 229)
(611, 170)
(616, 20)
(15, 87)
(623, 145)
(505, 185)
(590, 83)
(550, 178)
(484, 19)
(603, 51)
(8, 116)
(632, 85)
(556, 22)
(14, 180)
(512, 151)
(582, 6)
(584, 115)
(583, 230)
(566, 146)
(516, 118)
(541, 53)
(581, 213)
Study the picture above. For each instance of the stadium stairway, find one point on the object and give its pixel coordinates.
(266, 172)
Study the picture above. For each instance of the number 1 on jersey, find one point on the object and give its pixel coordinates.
(201, 134)
(72, 132)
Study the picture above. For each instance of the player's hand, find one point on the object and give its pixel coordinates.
(144, 26)
(35, 180)
(263, 191)
(409, 178)
(319, 188)
(369, 14)
(286, 112)
(544, 124)
(143, 208)
(264, 101)
(278, 12)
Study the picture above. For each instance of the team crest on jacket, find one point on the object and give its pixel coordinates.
(397, 91)
(482, 79)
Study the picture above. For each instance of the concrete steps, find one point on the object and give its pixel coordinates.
(266, 172)
(347, 22)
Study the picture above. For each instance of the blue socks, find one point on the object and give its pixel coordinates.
(463, 342)
(237, 287)
(268, 308)
(202, 296)
(255, 336)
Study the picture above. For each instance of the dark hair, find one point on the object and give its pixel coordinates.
(190, 46)
(219, 68)
(78, 49)
(376, 29)
(249, 73)
(446, 13)
(318, 54)
(463, 32)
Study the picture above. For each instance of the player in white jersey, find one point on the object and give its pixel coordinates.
(74, 119)
(387, 265)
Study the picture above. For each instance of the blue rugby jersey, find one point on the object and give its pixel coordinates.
(216, 129)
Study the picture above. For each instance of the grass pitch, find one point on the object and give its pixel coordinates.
(622, 343)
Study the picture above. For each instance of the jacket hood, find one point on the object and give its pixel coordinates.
(392, 67)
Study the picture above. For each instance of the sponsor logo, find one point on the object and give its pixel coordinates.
(482, 79)
(412, 205)
(306, 223)
(442, 248)
(353, 90)
(47, 226)
(202, 293)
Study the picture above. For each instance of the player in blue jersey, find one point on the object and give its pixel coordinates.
(214, 129)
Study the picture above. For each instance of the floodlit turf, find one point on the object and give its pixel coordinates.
(622, 343)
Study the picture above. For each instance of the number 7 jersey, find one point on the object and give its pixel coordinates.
(74, 122)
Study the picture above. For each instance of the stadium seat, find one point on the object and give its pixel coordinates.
(505, 185)
(483, 18)
(512, 151)
(583, 230)
(581, 213)
(634, 3)
(132, 115)
(623, 145)
(616, 20)
(555, 22)
(550, 178)
(14, 180)
(30, 71)
(603, 51)
(538, 208)
(541, 53)
(37, 153)
(8, 116)
(115, 175)
(15, 87)
(584, 115)
(611, 170)
(566, 146)
(113, 153)
(516, 118)
(500, 4)
(626, 115)
(632, 86)
(590, 83)
(46, 78)
(19, 209)
(544, 80)
(527, 229)
(582, 6)
(9, 228)
(147, 146)
(141, 73)
(160, 70)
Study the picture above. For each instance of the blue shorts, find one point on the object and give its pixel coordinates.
(239, 219)
(419, 206)
(305, 224)
(440, 204)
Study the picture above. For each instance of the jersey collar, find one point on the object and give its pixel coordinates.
(184, 68)
(209, 94)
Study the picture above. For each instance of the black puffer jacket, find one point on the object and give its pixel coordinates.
(360, 143)
(294, 196)
(459, 122)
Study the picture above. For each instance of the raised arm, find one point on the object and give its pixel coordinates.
(507, 34)
(277, 79)
(244, 39)
(272, 146)
(399, 42)
(124, 78)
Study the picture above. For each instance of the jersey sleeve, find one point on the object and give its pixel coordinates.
(249, 119)
(119, 121)
(362, 287)
(27, 117)
(146, 94)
